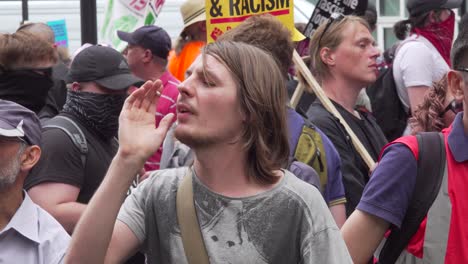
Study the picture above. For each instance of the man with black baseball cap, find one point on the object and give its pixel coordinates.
(25, 228)
(148, 48)
(68, 173)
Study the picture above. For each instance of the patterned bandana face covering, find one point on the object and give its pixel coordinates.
(99, 111)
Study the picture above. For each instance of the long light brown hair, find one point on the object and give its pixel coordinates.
(262, 95)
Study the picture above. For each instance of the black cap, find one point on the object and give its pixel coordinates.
(19, 122)
(102, 65)
(150, 37)
(419, 7)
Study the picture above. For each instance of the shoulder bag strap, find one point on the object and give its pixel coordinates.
(192, 239)
(431, 168)
(73, 131)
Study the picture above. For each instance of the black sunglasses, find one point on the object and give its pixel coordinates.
(454, 106)
(334, 17)
(463, 69)
(42, 71)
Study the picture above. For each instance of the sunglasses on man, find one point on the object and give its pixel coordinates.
(42, 71)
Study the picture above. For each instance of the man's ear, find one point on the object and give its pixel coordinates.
(456, 84)
(327, 56)
(147, 56)
(30, 157)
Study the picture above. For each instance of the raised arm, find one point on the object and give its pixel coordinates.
(138, 140)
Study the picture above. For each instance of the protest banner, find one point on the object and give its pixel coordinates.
(222, 15)
(60, 31)
(323, 11)
(325, 8)
(312, 84)
(127, 15)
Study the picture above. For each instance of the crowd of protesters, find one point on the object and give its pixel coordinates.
(190, 152)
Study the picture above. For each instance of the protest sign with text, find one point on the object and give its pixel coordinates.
(325, 8)
(60, 31)
(322, 13)
(222, 15)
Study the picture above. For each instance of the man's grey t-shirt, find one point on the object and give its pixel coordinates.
(287, 224)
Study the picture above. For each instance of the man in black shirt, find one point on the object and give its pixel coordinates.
(63, 182)
(343, 59)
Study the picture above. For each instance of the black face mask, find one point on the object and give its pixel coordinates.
(27, 87)
(99, 111)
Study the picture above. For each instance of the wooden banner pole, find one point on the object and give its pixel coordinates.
(297, 93)
(312, 83)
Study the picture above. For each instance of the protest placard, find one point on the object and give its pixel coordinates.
(322, 12)
(222, 15)
(325, 8)
(60, 31)
(127, 15)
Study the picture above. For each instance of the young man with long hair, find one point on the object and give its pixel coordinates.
(249, 210)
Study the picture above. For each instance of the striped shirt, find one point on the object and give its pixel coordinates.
(166, 105)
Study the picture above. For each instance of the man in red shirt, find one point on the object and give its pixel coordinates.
(148, 48)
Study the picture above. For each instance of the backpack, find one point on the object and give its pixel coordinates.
(69, 127)
(387, 108)
(431, 167)
(306, 146)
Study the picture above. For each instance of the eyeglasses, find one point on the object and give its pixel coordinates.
(454, 106)
(334, 17)
(463, 69)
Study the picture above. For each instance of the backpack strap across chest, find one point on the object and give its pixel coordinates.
(73, 131)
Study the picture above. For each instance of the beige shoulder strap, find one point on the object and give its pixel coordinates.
(192, 239)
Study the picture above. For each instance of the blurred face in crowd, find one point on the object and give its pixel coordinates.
(135, 56)
(441, 15)
(355, 57)
(10, 160)
(208, 108)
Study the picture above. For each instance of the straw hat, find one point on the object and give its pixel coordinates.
(193, 11)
